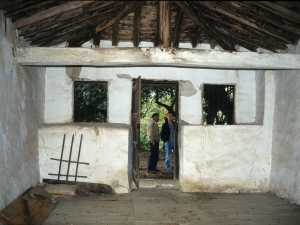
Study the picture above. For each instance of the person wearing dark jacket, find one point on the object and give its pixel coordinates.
(167, 134)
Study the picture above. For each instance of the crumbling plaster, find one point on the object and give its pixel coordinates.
(21, 111)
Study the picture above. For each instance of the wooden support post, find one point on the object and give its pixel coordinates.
(136, 31)
(165, 24)
(115, 36)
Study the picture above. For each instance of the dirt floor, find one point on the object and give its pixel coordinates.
(162, 174)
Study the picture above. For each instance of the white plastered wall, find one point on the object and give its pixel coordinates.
(21, 111)
(59, 96)
(285, 175)
(228, 158)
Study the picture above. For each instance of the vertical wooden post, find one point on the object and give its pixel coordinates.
(165, 24)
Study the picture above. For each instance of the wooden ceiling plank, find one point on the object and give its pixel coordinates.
(54, 11)
(25, 6)
(165, 24)
(246, 42)
(277, 9)
(239, 17)
(178, 26)
(8, 4)
(271, 41)
(199, 20)
(129, 7)
(61, 29)
(115, 34)
(69, 31)
(137, 25)
(82, 13)
(264, 15)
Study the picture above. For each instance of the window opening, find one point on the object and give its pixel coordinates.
(218, 104)
(90, 102)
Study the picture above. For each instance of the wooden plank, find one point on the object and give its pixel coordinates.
(156, 41)
(129, 7)
(63, 8)
(137, 23)
(69, 18)
(178, 26)
(25, 6)
(278, 10)
(251, 33)
(28, 210)
(115, 36)
(240, 18)
(8, 4)
(202, 23)
(193, 58)
(246, 8)
(195, 40)
(165, 24)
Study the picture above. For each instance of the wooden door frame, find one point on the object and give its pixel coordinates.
(166, 83)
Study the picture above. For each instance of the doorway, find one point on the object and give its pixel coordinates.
(158, 97)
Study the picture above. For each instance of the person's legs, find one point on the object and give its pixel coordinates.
(168, 150)
(153, 156)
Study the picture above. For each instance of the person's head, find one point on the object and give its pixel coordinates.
(219, 113)
(170, 116)
(155, 117)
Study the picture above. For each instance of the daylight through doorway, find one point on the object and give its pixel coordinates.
(157, 97)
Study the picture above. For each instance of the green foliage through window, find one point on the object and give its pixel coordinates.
(155, 100)
(90, 102)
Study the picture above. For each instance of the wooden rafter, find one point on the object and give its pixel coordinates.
(136, 24)
(115, 37)
(178, 26)
(71, 5)
(199, 20)
(123, 12)
(268, 29)
(70, 18)
(25, 6)
(283, 12)
(165, 24)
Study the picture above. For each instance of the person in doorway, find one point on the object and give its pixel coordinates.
(167, 134)
(153, 136)
(220, 118)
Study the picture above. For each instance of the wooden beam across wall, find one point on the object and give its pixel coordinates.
(121, 57)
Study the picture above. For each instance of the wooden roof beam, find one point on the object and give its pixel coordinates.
(66, 19)
(25, 6)
(202, 23)
(278, 10)
(252, 33)
(165, 24)
(54, 11)
(115, 34)
(136, 28)
(239, 17)
(129, 7)
(178, 26)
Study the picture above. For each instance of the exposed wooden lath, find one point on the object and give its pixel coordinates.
(270, 25)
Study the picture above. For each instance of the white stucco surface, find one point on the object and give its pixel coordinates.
(228, 158)
(21, 111)
(285, 175)
(103, 146)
